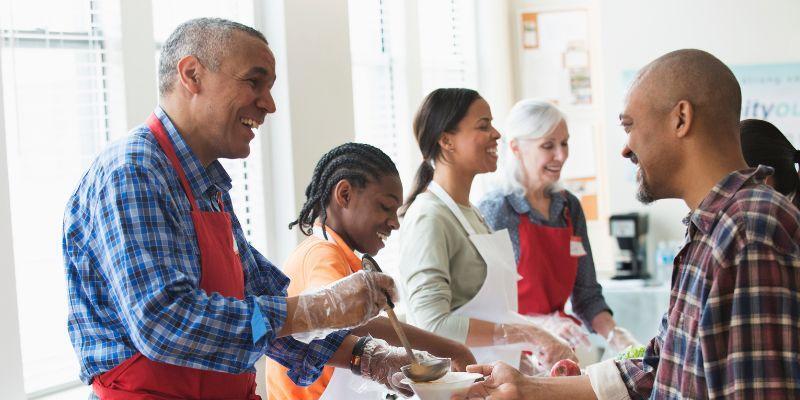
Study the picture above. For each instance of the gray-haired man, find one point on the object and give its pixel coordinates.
(167, 298)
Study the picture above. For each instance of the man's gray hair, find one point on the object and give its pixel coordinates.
(205, 38)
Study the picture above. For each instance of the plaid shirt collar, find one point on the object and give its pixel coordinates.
(201, 179)
(520, 203)
(711, 208)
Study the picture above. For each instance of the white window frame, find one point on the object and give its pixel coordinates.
(10, 335)
(136, 94)
(11, 380)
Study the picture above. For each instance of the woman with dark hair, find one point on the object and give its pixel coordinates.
(763, 143)
(460, 277)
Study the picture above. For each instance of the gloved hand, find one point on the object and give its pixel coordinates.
(563, 327)
(548, 349)
(344, 304)
(381, 363)
(620, 338)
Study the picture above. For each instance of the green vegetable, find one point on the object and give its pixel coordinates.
(631, 352)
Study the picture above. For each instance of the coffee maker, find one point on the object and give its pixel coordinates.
(629, 230)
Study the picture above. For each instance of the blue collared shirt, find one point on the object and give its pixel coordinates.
(133, 271)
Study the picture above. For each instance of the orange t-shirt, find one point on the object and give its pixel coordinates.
(313, 264)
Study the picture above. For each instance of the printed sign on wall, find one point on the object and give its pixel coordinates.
(772, 92)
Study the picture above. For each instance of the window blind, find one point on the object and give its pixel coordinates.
(448, 44)
(56, 118)
(447, 55)
(374, 74)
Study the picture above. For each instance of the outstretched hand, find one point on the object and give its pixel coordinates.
(501, 382)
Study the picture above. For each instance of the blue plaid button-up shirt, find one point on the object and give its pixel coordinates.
(133, 271)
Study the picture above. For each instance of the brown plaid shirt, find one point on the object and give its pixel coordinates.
(733, 326)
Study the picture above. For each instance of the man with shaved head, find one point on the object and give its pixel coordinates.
(696, 95)
(732, 328)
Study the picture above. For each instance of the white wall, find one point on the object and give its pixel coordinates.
(636, 32)
(314, 101)
(526, 72)
(314, 97)
(140, 91)
(626, 35)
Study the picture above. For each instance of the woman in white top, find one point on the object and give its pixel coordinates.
(460, 277)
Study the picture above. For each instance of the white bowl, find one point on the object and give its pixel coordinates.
(454, 383)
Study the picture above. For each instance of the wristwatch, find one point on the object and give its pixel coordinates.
(358, 352)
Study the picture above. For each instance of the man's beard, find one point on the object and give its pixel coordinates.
(643, 192)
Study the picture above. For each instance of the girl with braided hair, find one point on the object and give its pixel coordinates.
(351, 207)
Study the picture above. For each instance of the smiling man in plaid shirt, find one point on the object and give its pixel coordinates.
(733, 327)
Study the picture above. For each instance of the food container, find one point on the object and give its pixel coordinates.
(454, 383)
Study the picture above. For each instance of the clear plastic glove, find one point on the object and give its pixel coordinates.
(547, 348)
(620, 338)
(526, 365)
(563, 327)
(344, 304)
(381, 363)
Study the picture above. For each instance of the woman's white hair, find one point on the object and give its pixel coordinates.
(528, 119)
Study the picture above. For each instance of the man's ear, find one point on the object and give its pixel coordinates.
(342, 193)
(682, 118)
(189, 71)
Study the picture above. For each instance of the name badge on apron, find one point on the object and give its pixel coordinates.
(576, 247)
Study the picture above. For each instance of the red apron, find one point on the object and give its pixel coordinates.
(139, 378)
(547, 268)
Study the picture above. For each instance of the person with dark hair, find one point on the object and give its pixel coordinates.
(460, 277)
(351, 207)
(731, 330)
(764, 144)
(167, 299)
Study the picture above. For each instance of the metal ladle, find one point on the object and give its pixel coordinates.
(425, 371)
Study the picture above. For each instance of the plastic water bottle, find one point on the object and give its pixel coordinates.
(664, 257)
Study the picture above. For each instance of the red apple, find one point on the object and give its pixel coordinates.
(565, 368)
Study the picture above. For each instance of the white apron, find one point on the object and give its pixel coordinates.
(496, 301)
(344, 384)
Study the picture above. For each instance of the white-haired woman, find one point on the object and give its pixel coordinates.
(548, 228)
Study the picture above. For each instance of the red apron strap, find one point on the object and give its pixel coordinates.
(219, 201)
(139, 378)
(567, 218)
(160, 133)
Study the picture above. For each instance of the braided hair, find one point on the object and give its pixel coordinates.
(358, 163)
